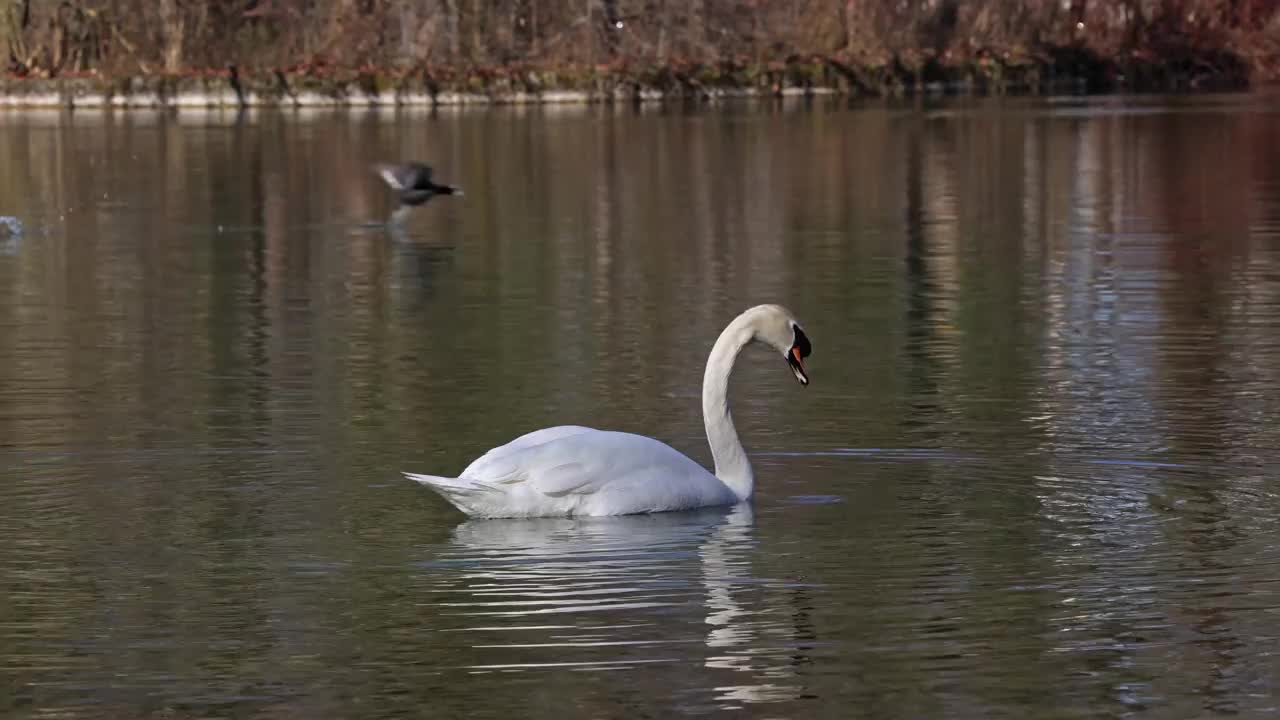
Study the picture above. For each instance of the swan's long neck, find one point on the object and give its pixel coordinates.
(732, 466)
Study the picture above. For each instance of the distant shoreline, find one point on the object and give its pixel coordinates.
(424, 87)
(300, 53)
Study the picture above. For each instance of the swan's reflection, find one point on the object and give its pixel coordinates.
(646, 590)
(759, 637)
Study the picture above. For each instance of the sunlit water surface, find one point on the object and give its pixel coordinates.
(1034, 475)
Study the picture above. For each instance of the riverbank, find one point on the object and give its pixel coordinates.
(1063, 70)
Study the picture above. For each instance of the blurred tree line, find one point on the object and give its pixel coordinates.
(118, 37)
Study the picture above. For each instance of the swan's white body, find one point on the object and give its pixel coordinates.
(571, 470)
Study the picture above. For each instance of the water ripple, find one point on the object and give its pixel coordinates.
(647, 574)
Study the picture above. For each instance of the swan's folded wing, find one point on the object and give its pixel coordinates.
(509, 463)
(571, 478)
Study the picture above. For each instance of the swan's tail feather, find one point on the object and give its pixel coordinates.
(457, 485)
(459, 491)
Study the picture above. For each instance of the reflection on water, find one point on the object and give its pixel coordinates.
(606, 593)
(1035, 472)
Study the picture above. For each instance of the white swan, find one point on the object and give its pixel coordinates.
(571, 470)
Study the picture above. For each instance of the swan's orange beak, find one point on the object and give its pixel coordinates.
(796, 361)
(800, 349)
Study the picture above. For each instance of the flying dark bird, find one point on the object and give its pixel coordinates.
(413, 186)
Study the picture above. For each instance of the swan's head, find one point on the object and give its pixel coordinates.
(776, 327)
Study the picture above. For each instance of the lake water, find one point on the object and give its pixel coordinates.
(1035, 474)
